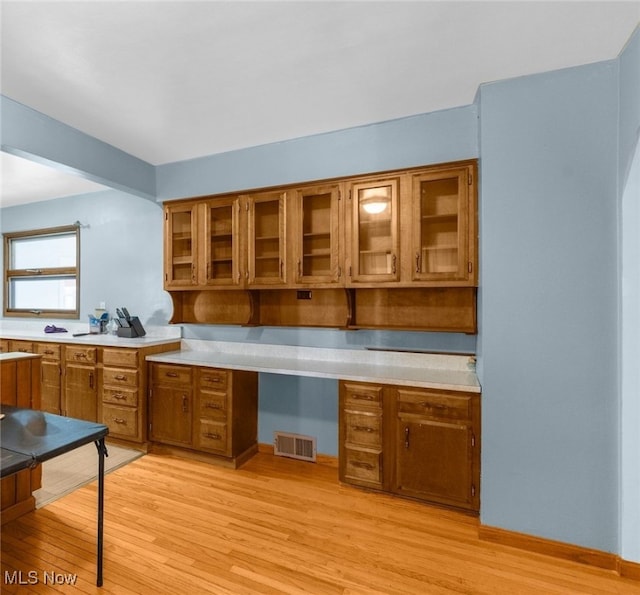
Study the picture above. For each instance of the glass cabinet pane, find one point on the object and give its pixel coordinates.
(266, 257)
(221, 253)
(441, 228)
(181, 246)
(439, 218)
(317, 235)
(375, 233)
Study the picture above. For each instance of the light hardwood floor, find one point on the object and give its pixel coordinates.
(274, 526)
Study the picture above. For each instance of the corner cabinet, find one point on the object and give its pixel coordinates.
(413, 442)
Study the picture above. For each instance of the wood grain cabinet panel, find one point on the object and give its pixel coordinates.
(205, 410)
(416, 443)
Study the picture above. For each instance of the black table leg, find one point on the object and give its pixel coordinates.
(102, 452)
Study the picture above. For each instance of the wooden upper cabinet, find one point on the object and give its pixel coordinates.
(221, 265)
(443, 228)
(180, 246)
(266, 239)
(373, 231)
(315, 235)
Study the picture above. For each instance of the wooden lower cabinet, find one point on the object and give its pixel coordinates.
(51, 376)
(204, 410)
(20, 387)
(413, 442)
(81, 383)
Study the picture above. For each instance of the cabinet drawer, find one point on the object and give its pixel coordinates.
(437, 405)
(21, 346)
(362, 465)
(120, 420)
(48, 351)
(119, 377)
(127, 358)
(120, 396)
(363, 429)
(212, 378)
(81, 354)
(357, 395)
(211, 435)
(213, 405)
(171, 374)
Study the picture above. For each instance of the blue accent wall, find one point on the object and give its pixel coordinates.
(629, 179)
(438, 137)
(548, 345)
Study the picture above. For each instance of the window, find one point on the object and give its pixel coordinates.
(41, 272)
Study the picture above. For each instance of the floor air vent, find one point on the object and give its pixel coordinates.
(294, 446)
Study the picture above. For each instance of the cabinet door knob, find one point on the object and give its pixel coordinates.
(185, 404)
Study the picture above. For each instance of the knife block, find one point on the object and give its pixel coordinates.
(135, 329)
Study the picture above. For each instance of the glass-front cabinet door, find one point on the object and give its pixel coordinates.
(180, 246)
(440, 234)
(374, 231)
(266, 239)
(316, 235)
(222, 242)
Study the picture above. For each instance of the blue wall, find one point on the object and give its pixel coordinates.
(629, 177)
(549, 304)
(120, 249)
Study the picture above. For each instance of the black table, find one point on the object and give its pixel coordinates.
(29, 437)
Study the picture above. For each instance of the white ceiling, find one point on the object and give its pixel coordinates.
(167, 81)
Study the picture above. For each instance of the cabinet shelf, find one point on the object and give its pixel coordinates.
(440, 217)
(441, 247)
(181, 236)
(182, 260)
(221, 236)
(325, 253)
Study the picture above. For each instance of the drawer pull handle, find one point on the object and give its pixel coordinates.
(362, 397)
(172, 374)
(23, 350)
(213, 405)
(48, 352)
(185, 404)
(212, 436)
(406, 436)
(362, 465)
(120, 377)
(119, 420)
(212, 379)
(362, 429)
(120, 397)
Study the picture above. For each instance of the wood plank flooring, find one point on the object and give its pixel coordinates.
(276, 525)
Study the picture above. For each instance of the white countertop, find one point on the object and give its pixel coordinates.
(34, 331)
(13, 355)
(425, 370)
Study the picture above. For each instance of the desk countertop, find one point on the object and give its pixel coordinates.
(445, 372)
